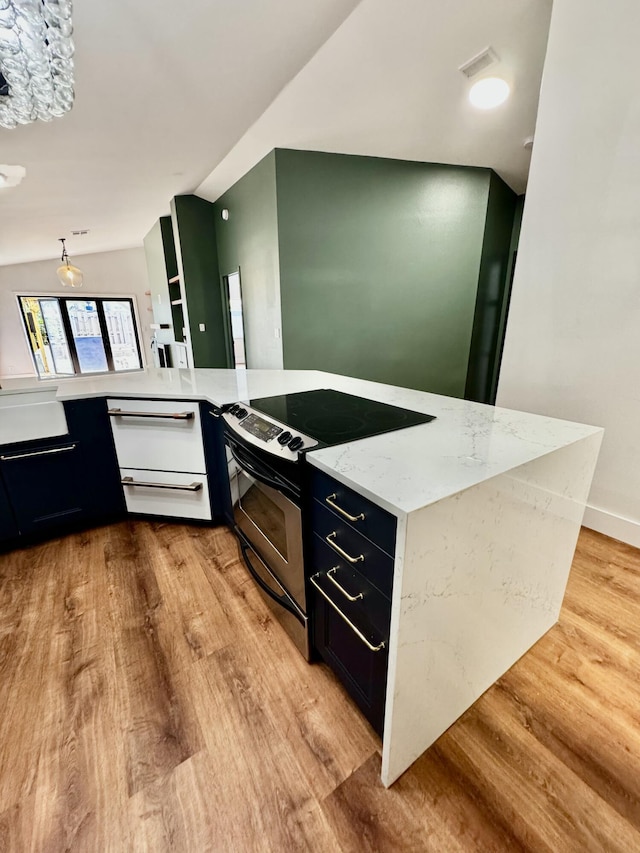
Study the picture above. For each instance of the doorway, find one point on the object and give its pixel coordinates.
(236, 320)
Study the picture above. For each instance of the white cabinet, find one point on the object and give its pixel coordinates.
(163, 493)
(161, 457)
(164, 435)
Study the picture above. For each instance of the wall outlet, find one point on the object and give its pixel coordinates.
(201, 327)
(277, 333)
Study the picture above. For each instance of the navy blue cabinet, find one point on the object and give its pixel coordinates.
(216, 461)
(8, 527)
(351, 545)
(46, 485)
(89, 425)
(57, 484)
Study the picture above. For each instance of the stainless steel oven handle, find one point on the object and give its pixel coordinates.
(355, 630)
(336, 547)
(255, 472)
(348, 596)
(330, 500)
(281, 600)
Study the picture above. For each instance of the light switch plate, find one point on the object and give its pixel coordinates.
(201, 327)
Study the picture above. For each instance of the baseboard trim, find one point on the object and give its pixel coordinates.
(624, 529)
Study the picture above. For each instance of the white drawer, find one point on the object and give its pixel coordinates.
(161, 443)
(159, 498)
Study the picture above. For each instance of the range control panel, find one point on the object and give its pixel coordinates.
(260, 427)
(264, 432)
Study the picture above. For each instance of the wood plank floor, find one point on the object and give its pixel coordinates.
(149, 702)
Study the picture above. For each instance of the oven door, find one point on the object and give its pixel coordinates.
(283, 607)
(269, 520)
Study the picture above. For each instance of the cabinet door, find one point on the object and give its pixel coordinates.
(214, 449)
(8, 529)
(89, 424)
(46, 486)
(362, 670)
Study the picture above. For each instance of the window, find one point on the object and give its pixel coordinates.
(70, 336)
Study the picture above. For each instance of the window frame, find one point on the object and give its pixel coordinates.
(99, 299)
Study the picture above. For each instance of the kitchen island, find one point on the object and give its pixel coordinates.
(488, 505)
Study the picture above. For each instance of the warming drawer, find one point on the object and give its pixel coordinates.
(166, 493)
(161, 435)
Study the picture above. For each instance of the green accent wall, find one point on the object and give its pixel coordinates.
(379, 266)
(248, 241)
(194, 236)
(492, 292)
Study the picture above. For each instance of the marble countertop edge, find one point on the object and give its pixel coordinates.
(403, 471)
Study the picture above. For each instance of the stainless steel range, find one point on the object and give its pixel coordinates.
(267, 440)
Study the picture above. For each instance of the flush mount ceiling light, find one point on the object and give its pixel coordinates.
(10, 176)
(68, 275)
(489, 92)
(36, 65)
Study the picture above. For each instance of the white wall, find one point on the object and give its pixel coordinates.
(573, 337)
(123, 273)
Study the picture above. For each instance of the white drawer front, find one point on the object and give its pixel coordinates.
(155, 500)
(158, 443)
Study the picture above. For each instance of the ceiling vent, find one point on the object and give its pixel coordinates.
(483, 60)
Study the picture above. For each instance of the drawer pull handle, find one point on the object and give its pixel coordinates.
(176, 416)
(330, 575)
(192, 487)
(348, 621)
(39, 453)
(330, 500)
(336, 547)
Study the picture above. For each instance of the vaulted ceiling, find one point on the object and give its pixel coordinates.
(174, 100)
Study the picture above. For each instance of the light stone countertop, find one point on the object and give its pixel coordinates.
(403, 471)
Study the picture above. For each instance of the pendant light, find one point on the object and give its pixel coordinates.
(68, 275)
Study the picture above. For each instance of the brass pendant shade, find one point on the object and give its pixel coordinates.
(68, 275)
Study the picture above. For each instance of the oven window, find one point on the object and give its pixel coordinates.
(264, 513)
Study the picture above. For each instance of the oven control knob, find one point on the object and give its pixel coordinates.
(296, 443)
(233, 409)
(284, 437)
(240, 413)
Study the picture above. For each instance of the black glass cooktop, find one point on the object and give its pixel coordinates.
(332, 417)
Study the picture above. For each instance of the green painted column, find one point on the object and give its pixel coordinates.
(194, 234)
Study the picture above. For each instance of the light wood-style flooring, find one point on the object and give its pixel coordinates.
(149, 702)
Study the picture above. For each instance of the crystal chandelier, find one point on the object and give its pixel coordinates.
(68, 275)
(36, 64)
